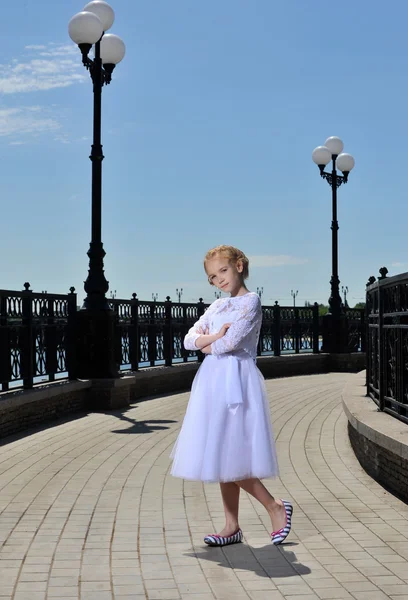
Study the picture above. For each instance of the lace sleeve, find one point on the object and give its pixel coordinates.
(192, 334)
(249, 318)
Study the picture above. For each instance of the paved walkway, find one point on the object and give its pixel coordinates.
(89, 511)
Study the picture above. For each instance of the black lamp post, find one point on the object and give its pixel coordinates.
(294, 293)
(179, 293)
(95, 318)
(335, 326)
(345, 290)
(259, 291)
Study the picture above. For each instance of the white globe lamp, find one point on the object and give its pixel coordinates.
(335, 145)
(85, 28)
(103, 11)
(345, 162)
(321, 156)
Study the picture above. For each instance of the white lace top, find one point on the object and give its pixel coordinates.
(245, 314)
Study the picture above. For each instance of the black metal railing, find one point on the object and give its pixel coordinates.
(387, 346)
(151, 333)
(356, 329)
(287, 329)
(36, 337)
(38, 334)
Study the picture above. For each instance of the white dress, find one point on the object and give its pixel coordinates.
(227, 432)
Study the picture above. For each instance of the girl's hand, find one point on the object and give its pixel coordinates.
(223, 330)
(206, 349)
(203, 331)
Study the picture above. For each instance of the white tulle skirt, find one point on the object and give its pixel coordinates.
(227, 432)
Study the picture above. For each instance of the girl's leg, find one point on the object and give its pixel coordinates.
(274, 507)
(230, 497)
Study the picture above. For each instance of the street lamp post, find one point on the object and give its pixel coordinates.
(294, 294)
(95, 318)
(345, 290)
(217, 295)
(259, 291)
(335, 334)
(179, 294)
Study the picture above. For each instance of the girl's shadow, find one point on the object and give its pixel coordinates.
(268, 561)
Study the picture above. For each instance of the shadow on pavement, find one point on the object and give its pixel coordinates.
(147, 426)
(268, 561)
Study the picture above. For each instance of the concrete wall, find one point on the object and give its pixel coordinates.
(24, 409)
(379, 440)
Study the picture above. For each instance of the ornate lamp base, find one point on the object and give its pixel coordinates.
(95, 337)
(335, 334)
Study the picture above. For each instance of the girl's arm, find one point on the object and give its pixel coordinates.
(206, 340)
(249, 319)
(194, 339)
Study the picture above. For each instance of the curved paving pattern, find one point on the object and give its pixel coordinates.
(89, 511)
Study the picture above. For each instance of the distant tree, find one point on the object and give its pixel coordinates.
(360, 305)
(323, 310)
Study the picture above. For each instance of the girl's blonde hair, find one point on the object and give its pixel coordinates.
(234, 256)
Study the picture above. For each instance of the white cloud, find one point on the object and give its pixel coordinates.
(51, 67)
(41, 68)
(397, 264)
(26, 120)
(63, 138)
(277, 260)
(35, 47)
(64, 50)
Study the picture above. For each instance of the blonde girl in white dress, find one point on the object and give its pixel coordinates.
(226, 436)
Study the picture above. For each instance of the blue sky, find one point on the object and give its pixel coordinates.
(208, 129)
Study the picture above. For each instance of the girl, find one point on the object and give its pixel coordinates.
(226, 435)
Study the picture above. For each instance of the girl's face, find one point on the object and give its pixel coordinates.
(224, 275)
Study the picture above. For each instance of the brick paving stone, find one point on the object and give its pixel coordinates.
(85, 507)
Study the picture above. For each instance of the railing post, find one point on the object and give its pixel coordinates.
(152, 335)
(260, 338)
(70, 357)
(369, 350)
(297, 330)
(134, 335)
(276, 330)
(27, 343)
(381, 348)
(5, 350)
(168, 334)
(315, 328)
(117, 335)
(200, 312)
(368, 342)
(363, 329)
(50, 338)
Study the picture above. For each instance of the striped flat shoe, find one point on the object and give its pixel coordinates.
(277, 537)
(219, 540)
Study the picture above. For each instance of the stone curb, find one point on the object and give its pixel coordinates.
(378, 427)
(379, 440)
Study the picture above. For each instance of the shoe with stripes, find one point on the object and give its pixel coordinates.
(219, 540)
(277, 537)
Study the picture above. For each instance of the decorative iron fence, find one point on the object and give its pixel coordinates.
(287, 329)
(356, 329)
(38, 334)
(151, 333)
(387, 349)
(36, 340)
